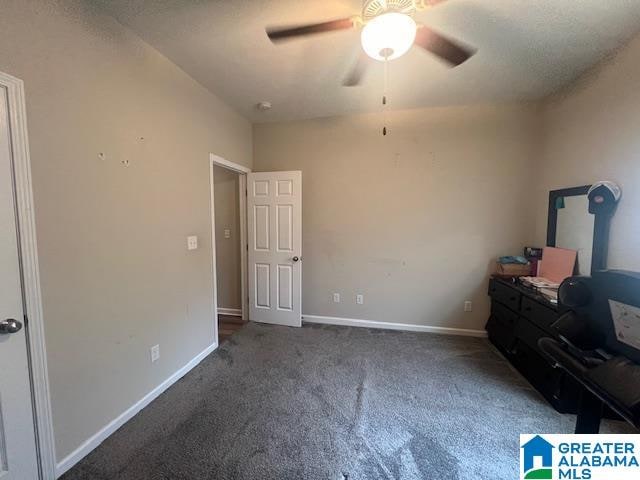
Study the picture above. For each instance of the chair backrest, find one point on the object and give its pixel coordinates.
(609, 301)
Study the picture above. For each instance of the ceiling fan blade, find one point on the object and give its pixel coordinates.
(277, 34)
(359, 68)
(451, 52)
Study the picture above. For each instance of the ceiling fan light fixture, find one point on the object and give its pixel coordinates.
(388, 36)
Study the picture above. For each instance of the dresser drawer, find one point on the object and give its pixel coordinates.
(537, 313)
(529, 334)
(505, 294)
(546, 379)
(501, 327)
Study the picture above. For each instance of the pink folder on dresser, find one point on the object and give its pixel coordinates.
(557, 263)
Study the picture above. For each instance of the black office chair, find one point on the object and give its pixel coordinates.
(602, 356)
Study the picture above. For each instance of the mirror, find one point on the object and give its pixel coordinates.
(571, 225)
(575, 230)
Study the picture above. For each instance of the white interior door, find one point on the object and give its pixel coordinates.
(18, 460)
(274, 207)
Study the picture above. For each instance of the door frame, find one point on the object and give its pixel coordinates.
(242, 171)
(28, 254)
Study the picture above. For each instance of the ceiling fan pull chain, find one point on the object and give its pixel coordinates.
(384, 95)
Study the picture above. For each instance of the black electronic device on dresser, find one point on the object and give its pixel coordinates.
(520, 316)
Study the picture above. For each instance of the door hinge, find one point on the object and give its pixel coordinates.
(247, 247)
(26, 320)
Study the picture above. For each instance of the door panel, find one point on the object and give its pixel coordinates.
(275, 247)
(285, 228)
(18, 458)
(285, 287)
(262, 227)
(263, 286)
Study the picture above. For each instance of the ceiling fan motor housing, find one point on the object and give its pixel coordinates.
(389, 28)
(373, 8)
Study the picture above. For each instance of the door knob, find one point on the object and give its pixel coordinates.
(295, 259)
(10, 326)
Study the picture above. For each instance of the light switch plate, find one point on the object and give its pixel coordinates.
(192, 242)
(468, 306)
(360, 299)
(227, 233)
(336, 298)
(155, 353)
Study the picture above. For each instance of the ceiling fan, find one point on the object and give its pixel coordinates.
(388, 32)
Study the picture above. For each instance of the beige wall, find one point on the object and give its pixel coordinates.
(227, 215)
(412, 220)
(592, 132)
(116, 275)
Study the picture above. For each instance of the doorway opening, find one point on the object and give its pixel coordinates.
(228, 195)
(270, 244)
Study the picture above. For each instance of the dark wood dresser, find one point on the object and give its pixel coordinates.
(519, 318)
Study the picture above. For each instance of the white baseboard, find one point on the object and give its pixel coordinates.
(409, 327)
(234, 312)
(99, 437)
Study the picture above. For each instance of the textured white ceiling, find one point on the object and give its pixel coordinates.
(527, 50)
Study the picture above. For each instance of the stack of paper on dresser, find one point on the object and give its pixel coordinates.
(556, 265)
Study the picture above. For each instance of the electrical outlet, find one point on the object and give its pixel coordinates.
(192, 242)
(336, 298)
(155, 353)
(360, 299)
(468, 306)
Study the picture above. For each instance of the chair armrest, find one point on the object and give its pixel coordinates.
(558, 355)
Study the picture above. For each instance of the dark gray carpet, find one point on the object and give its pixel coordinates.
(329, 403)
